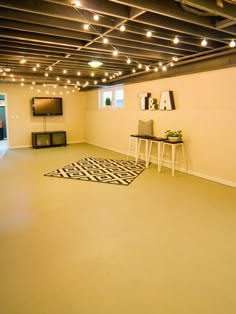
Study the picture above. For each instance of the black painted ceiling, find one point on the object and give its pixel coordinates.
(51, 34)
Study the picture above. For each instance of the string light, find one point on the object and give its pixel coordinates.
(128, 61)
(122, 28)
(175, 59)
(115, 53)
(96, 17)
(232, 44)
(164, 68)
(86, 26)
(105, 40)
(77, 4)
(149, 34)
(204, 42)
(176, 40)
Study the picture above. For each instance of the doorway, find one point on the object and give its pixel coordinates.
(3, 125)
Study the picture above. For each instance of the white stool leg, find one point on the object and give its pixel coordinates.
(138, 144)
(146, 152)
(184, 158)
(149, 152)
(173, 151)
(162, 155)
(128, 152)
(158, 153)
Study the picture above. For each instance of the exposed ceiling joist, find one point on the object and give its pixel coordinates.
(145, 35)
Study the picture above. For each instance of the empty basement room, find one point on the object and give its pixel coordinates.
(86, 227)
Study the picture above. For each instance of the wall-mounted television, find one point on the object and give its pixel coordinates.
(47, 106)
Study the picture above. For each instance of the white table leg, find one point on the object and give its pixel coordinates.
(162, 155)
(173, 151)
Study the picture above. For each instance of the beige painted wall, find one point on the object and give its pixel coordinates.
(21, 122)
(205, 111)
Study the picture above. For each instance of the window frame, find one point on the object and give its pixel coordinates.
(113, 90)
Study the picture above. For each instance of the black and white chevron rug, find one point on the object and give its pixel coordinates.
(120, 172)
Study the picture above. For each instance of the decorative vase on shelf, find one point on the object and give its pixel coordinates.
(173, 139)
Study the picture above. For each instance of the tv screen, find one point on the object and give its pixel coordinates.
(51, 106)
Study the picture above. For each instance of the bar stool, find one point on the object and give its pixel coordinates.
(174, 146)
(158, 141)
(132, 139)
(146, 141)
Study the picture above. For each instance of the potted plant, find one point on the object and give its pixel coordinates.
(174, 136)
(108, 101)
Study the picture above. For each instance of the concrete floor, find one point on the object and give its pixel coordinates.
(162, 245)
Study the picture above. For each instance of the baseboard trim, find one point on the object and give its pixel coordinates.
(29, 146)
(192, 172)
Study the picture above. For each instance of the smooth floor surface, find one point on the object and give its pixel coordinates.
(162, 245)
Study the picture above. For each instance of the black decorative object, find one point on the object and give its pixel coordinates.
(144, 100)
(167, 100)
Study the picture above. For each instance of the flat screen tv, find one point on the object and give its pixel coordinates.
(47, 106)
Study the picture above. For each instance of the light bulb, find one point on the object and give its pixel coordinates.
(86, 26)
(204, 42)
(149, 34)
(232, 44)
(96, 17)
(176, 40)
(122, 28)
(76, 4)
(164, 68)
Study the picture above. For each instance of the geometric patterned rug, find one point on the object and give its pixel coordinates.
(120, 172)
